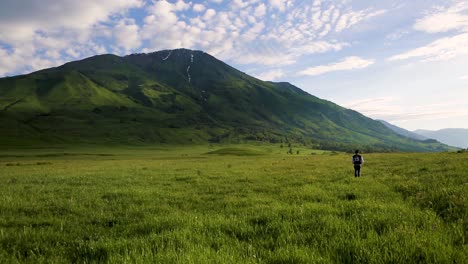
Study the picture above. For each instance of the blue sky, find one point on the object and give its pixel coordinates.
(402, 61)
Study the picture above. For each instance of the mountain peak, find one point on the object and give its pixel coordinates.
(169, 52)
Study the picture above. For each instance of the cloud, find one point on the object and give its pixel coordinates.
(267, 55)
(446, 19)
(270, 75)
(42, 34)
(352, 18)
(28, 16)
(318, 47)
(23, 59)
(349, 63)
(278, 4)
(378, 107)
(240, 32)
(392, 110)
(452, 18)
(263, 32)
(263, 58)
(260, 10)
(439, 50)
(198, 8)
(127, 35)
(429, 115)
(239, 3)
(209, 14)
(372, 102)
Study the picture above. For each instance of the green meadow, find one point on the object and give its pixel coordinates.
(231, 204)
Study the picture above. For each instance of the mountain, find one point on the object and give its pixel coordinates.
(403, 132)
(179, 97)
(457, 137)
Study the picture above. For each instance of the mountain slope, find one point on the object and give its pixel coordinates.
(402, 131)
(177, 96)
(457, 137)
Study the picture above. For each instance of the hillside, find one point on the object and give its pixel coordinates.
(403, 131)
(457, 137)
(178, 97)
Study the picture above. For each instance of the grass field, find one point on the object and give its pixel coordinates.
(231, 204)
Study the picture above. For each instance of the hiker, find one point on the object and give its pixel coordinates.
(358, 160)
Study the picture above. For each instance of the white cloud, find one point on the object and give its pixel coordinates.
(209, 14)
(442, 20)
(285, 41)
(452, 18)
(391, 109)
(425, 115)
(263, 58)
(46, 33)
(198, 8)
(441, 49)
(377, 107)
(318, 47)
(127, 35)
(260, 10)
(278, 4)
(349, 63)
(351, 18)
(240, 31)
(370, 103)
(181, 5)
(72, 53)
(239, 3)
(271, 75)
(268, 55)
(28, 16)
(163, 28)
(23, 59)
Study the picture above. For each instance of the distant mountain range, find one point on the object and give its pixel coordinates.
(403, 131)
(177, 97)
(457, 137)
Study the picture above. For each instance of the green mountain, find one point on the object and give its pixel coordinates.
(178, 97)
(403, 131)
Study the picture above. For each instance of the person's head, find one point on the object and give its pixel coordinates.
(357, 151)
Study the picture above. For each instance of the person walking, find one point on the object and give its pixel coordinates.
(358, 160)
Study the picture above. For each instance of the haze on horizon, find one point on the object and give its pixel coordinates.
(405, 62)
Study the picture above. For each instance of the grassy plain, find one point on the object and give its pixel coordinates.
(230, 204)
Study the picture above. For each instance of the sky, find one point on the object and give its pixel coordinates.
(402, 61)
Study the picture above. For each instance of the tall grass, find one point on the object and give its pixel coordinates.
(180, 205)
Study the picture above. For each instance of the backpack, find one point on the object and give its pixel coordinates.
(357, 159)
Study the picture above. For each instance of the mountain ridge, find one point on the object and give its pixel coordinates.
(457, 137)
(178, 96)
(403, 131)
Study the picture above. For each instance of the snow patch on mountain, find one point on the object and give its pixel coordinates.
(168, 55)
(188, 74)
(188, 68)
